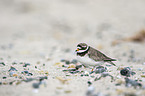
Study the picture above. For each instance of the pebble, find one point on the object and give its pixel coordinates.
(2, 63)
(28, 79)
(72, 69)
(12, 69)
(72, 66)
(140, 69)
(127, 72)
(74, 61)
(89, 82)
(134, 83)
(25, 72)
(12, 73)
(86, 73)
(36, 85)
(78, 66)
(4, 77)
(42, 78)
(100, 69)
(15, 62)
(67, 62)
(65, 70)
(62, 60)
(26, 64)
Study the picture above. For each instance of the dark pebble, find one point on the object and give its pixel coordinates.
(2, 63)
(43, 64)
(21, 62)
(86, 75)
(72, 69)
(91, 72)
(89, 82)
(26, 72)
(28, 80)
(35, 85)
(4, 77)
(100, 70)
(11, 83)
(67, 62)
(73, 72)
(125, 72)
(26, 64)
(133, 83)
(74, 61)
(65, 70)
(0, 83)
(13, 63)
(36, 67)
(64, 66)
(42, 78)
(12, 69)
(78, 66)
(30, 74)
(62, 60)
(82, 75)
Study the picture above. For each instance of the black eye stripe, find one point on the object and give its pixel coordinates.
(79, 46)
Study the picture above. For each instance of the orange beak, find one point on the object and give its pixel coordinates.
(77, 50)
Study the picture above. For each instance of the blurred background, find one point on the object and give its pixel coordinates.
(45, 27)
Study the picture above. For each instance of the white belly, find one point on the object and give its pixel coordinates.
(85, 60)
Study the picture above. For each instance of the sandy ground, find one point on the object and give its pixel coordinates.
(46, 31)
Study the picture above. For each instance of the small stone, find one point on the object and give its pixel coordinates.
(26, 64)
(12, 69)
(127, 72)
(42, 78)
(143, 76)
(35, 85)
(90, 83)
(28, 79)
(72, 66)
(78, 66)
(82, 75)
(62, 60)
(13, 63)
(2, 63)
(65, 70)
(30, 74)
(67, 91)
(133, 83)
(25, 72)
(0, 83)
(67, 62)
(35, 67)
(12, 73)
(43, 64)
(74, 61)
(140, 69)
(72, 69)
(4, 77)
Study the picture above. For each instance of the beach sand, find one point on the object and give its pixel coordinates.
(44, 32)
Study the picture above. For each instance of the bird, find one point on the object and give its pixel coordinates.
(90, 56)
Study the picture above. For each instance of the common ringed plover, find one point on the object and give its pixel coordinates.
(89, 56)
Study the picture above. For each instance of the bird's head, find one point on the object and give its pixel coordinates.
(82, 47)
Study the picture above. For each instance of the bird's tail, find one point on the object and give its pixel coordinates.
(111, 63)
